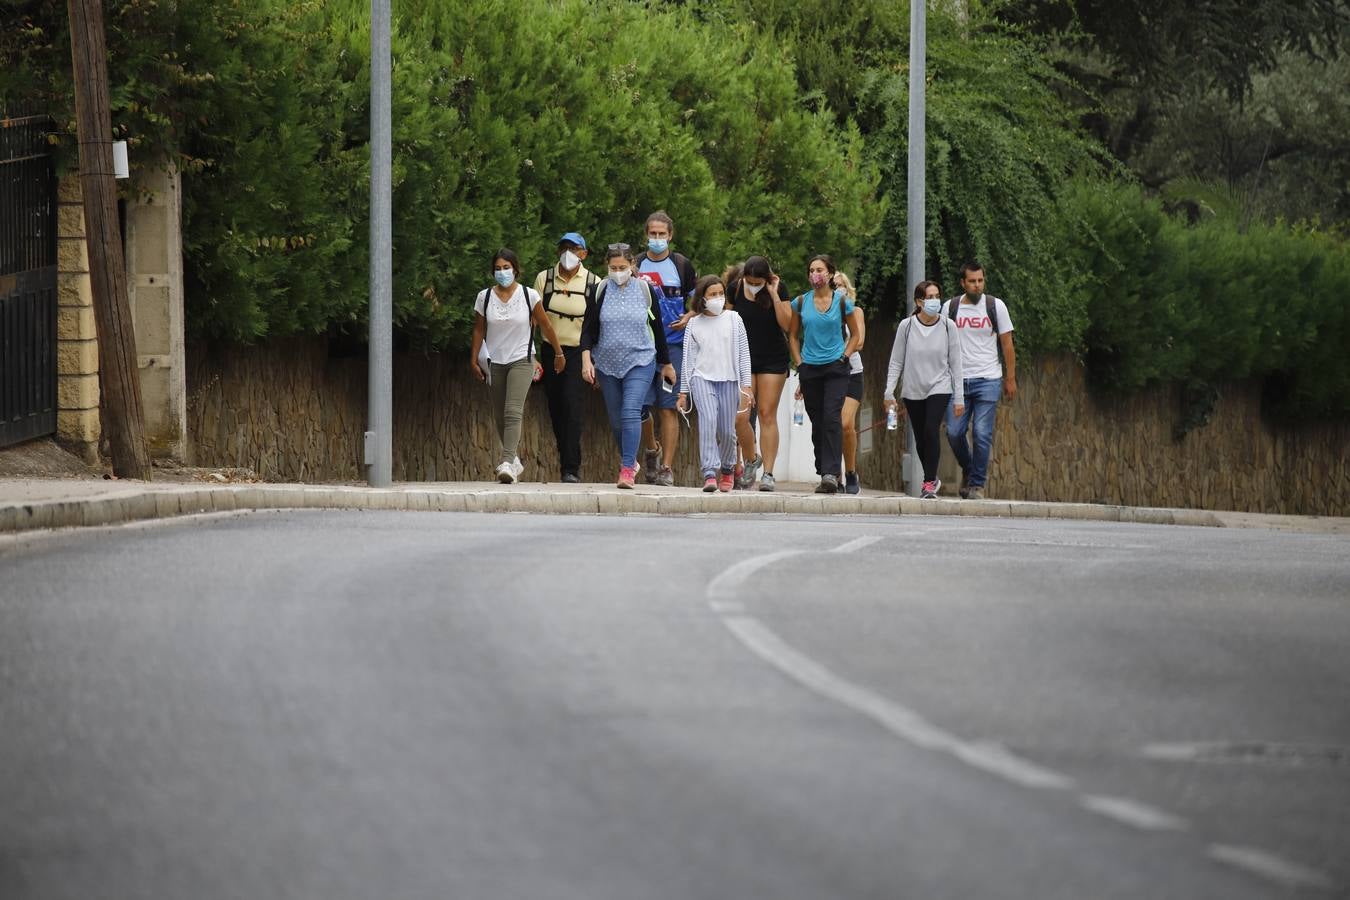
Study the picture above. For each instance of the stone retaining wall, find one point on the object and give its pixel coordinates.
(289, 411)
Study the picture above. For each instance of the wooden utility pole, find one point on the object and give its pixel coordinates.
(119, 377)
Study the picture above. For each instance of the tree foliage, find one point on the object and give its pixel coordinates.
(512, 124)
(1124, 170)
(1174, 302)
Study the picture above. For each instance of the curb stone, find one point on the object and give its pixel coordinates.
(138, 505)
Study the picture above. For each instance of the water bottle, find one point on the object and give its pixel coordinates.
(799, 413)
(892, 418)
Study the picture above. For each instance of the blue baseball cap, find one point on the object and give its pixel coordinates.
(573, 238)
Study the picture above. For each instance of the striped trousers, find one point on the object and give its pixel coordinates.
(716, 402)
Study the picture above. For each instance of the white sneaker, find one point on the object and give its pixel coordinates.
(506, 473)
(518, 466)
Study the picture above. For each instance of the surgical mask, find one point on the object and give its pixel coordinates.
(753, 288)
(504, 276)
(818, 279)
(569, 260)
(715, 305)
(621, 277)
(932, 305)
(658, 245)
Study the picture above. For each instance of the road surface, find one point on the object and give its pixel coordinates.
(419, 705)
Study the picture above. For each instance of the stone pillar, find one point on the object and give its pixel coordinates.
(77, 393)
(155, 283)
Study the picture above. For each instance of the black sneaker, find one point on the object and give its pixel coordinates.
(851, 485)
(571, 478)
(964, 489)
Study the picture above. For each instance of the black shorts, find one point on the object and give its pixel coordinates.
(773, 365)
(855, 387)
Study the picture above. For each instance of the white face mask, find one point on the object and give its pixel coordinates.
(715, 305)
(932, 305)
(753, 288)
(621, 277)
(569, 260)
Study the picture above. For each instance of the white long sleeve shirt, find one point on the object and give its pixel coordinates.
(926, 360)
(716, 349)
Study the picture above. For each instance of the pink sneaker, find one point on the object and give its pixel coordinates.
(726, 482)
(930, 489)
(626, 476)
(709, 484)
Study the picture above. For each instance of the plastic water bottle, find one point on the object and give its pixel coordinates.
(799, 413)
(892, 418)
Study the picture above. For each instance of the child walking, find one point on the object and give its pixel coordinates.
(717, 373)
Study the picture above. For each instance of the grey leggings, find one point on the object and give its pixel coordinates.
(510, 384)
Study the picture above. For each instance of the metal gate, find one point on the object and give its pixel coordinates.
(27, 280)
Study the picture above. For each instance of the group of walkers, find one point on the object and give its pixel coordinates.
(659, 341)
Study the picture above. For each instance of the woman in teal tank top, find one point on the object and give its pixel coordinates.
(816, 339)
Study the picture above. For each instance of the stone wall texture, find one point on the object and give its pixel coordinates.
(77, 387)
(292, 412)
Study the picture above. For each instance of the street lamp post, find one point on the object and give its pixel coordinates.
(379, 439)
(911, 470)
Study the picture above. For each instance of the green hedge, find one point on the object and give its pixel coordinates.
(761, 126)
(1171, 302)
(512, 124)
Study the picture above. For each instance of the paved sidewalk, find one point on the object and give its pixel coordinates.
(30, 504)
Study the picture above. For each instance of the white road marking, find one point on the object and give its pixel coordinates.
(1132, 813)
(991, 758)
(725, 585)
(898, 720)
(1269, 866)
(999, 760)
(857, 544)
(800, 668)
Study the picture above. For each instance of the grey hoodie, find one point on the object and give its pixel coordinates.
(929, 359)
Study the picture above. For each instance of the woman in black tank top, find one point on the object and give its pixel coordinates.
(762, 303)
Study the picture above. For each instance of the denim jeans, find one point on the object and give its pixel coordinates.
(624, 399)
(981, 402)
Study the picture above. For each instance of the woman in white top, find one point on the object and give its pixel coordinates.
(503, 356)
(926, 363)
(716, 371)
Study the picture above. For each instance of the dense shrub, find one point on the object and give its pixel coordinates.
(761, 126)
(1170, 301)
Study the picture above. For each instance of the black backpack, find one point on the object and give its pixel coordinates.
(589, 292)
(990, 308)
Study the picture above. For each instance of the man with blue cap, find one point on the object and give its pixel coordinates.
(565, 290)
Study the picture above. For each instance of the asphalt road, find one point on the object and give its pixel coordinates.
(418, 705)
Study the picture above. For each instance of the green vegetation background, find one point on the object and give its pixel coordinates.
(1166, 199)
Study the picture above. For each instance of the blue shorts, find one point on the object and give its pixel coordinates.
(658, 397)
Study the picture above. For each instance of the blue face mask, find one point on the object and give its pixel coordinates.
(505, 277)
(932, 305)
(658, 245)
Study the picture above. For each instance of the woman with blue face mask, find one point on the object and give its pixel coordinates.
(623, 346)
(503, 355)
(926, 364)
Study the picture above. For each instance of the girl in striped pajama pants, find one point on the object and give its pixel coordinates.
(717, 373)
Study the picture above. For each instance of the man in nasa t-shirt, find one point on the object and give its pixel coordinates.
(984, 377)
